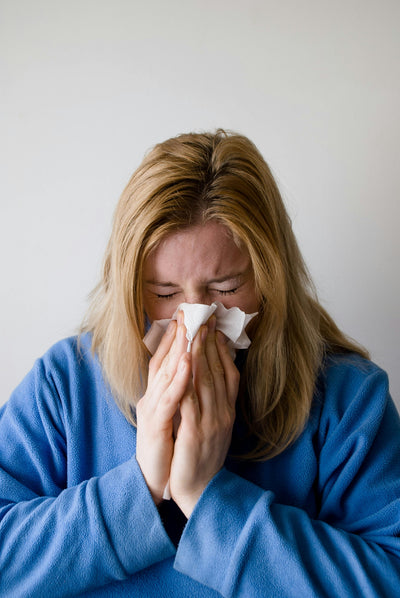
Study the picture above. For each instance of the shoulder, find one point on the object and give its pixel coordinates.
(64, 390)
(71, 367)
(352, 392)
(347, 372)
(344, 375)
(67, 371)
(69, 351)
(70, 356)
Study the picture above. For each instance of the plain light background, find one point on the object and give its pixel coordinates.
(87, 87)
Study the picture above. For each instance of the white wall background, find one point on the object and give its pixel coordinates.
(87, 86)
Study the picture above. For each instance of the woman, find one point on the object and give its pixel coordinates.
(282, 465)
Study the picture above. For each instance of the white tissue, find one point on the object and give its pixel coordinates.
(232, 322)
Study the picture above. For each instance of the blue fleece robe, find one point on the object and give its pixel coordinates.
(76, 517)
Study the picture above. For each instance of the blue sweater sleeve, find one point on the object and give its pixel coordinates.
(241, 542)
(57, 540)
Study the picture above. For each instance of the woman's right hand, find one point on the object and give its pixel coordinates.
(169, 375)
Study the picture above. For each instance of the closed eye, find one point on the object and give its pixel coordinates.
(228, 292)
(169, 296)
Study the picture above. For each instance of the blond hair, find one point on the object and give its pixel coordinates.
(191, 179)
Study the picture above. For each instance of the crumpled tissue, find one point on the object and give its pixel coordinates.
(232, 322)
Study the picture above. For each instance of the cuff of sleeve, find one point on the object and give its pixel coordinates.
(132, 520)
(211, 536)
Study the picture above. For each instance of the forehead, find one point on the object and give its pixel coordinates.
(205, 251)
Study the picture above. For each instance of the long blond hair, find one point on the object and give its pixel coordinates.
(195, 178)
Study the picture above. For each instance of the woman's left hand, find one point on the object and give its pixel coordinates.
(207, 416)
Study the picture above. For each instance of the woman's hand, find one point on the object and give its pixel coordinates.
(207, 416)
(169, 375)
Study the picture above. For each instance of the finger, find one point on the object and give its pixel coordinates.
(177, 389)
(232, 375)
(167, 360)
(190, 408)
(179, 346)
(202, 378)
(162, 398)
(214, 363)
(164, 386)
(164, 346)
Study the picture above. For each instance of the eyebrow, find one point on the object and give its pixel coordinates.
(156, 283)
(235, 276)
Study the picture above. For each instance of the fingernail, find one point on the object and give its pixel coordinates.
(203, 333)
(212, 323)
(170, 327)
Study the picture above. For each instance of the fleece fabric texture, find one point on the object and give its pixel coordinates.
(76, 517)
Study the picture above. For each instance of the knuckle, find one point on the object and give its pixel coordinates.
(192, 396)
(214, 430)
(208, 379)
(165, 377)
(167, 400)
(198, 347)
(228, 421)
(166, 361)
(218, 369)
(235, 376)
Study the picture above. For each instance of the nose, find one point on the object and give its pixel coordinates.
(198, 296)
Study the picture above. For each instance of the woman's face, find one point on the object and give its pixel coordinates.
(200, 264)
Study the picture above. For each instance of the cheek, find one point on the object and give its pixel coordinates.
(160, 309)
(245, 300)
(252, 302)
(253, 305)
